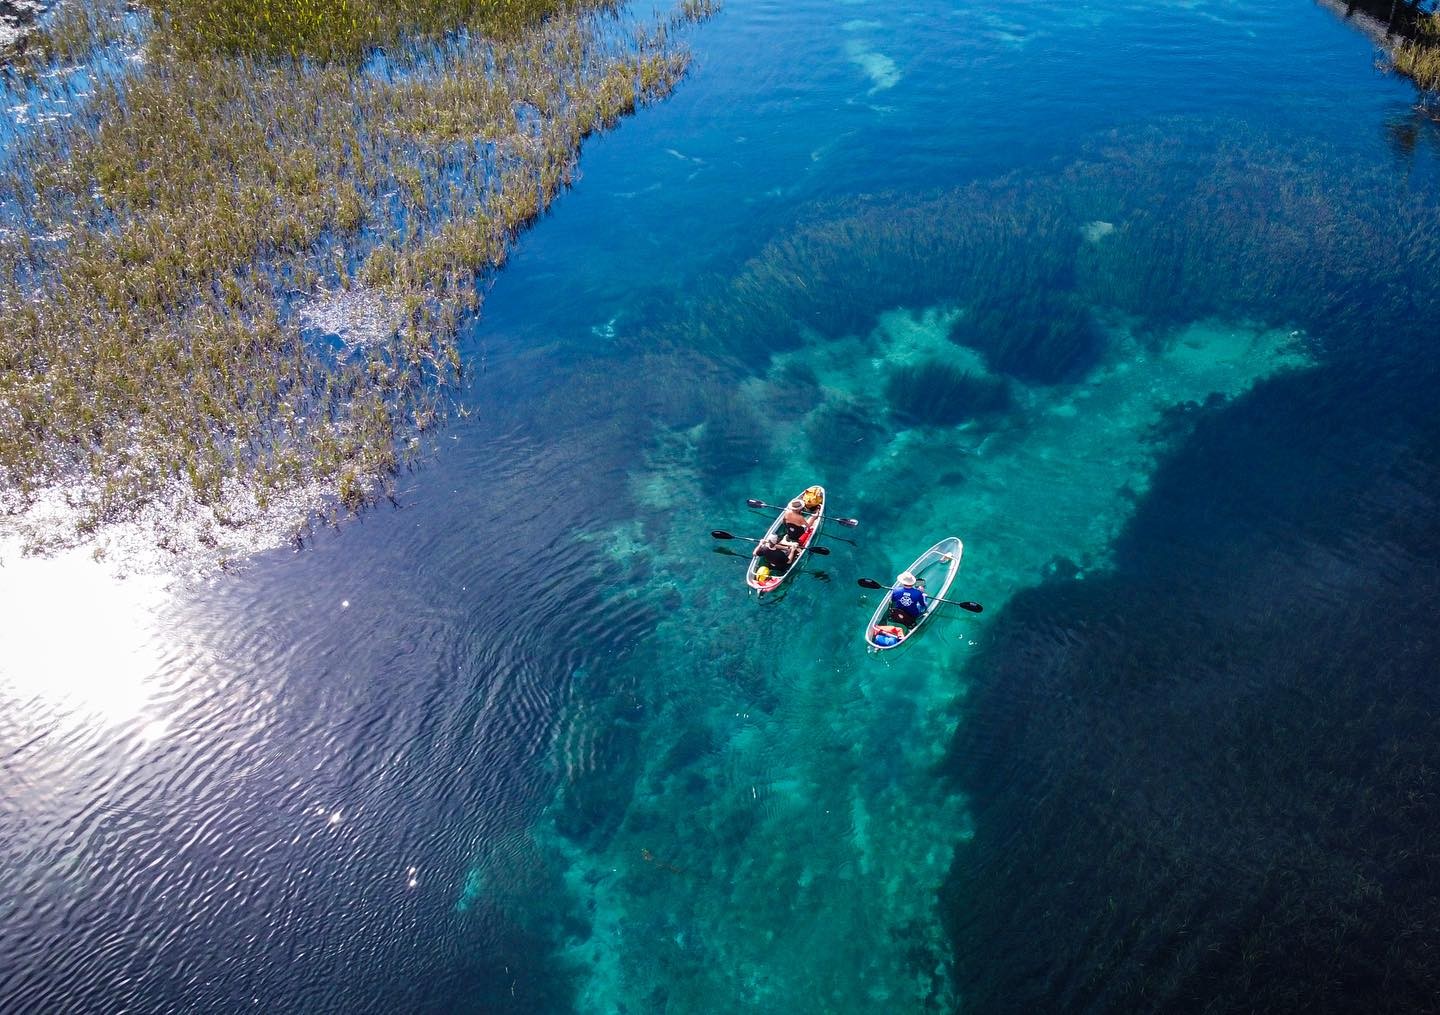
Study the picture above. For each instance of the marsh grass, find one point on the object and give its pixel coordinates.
(158, 246)
(68, 34)
(337, 30)
(1419, 57)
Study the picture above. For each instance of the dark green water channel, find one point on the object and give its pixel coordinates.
(1137, 300)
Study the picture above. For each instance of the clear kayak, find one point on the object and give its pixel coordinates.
(937, 568)
(768, 581)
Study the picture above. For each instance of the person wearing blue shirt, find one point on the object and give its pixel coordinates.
(907, 600)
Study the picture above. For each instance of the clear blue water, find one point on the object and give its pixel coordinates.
(1136, 299)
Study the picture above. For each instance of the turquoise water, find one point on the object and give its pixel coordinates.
(1137, 302)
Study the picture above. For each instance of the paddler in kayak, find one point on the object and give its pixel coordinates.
(795, 521)
(907, 600)
(777, 556)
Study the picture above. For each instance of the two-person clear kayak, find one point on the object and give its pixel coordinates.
(760, 576)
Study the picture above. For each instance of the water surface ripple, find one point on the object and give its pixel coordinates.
(1131, 303)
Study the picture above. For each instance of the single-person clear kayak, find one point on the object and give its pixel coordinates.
(762, 577)
(937, 568)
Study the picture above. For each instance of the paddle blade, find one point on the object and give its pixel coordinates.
(869, 583)
(849, 523)
(754, 503)
(972, 607)
(720, 534)
(820, 551)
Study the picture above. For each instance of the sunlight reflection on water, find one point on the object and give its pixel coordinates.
(82, 645)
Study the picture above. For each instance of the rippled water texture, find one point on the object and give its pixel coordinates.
(1136, 299)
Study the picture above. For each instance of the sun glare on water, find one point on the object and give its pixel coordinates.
(81, 646)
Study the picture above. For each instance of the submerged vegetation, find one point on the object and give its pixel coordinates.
(937, 394)
(170, 254)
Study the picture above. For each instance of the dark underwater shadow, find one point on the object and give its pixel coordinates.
(1209, 780)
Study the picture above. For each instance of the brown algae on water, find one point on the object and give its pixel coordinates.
(160, 245)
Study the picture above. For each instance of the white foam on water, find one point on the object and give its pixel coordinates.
(360, 317)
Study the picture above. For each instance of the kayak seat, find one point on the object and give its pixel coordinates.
(902, 618)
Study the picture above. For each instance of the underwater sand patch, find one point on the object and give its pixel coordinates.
(882, 71)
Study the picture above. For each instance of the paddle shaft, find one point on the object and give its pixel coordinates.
(871, 583)
(966, 605)
(832, 536)
(819, 551)
(849, 523)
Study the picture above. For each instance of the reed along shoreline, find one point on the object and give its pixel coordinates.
(235, 263)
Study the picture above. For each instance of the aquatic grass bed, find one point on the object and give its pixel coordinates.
(160, 251)
(1038, 275)
(938, 394)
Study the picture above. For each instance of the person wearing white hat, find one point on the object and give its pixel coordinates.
(795, 521)
(907, 600)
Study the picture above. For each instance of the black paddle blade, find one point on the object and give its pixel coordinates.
(849, 523)
(972, 607)
(869, 583)
(720, 534)
(820, 551)
(754, 503)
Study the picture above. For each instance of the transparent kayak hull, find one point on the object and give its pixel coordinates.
(808, 537)
(938, 573)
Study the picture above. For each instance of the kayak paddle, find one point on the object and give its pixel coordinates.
(871, 583)
(832, 535)
(819, 551)
(849, 523)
